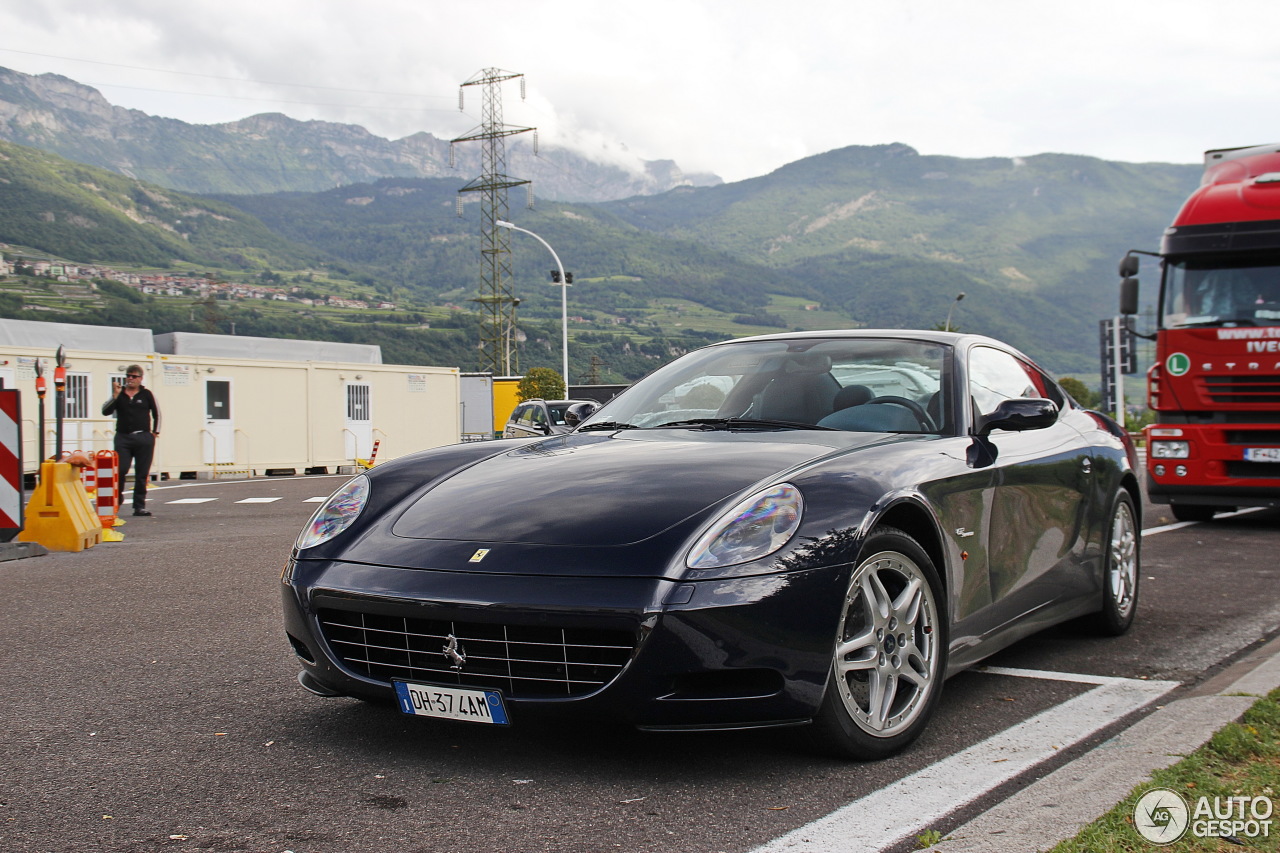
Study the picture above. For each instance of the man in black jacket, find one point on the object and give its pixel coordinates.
(137, 426)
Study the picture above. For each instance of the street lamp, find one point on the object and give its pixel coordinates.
(564, 297)
(959, 296)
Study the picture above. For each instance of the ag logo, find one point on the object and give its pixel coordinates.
(1161, 816)
(1178, 363)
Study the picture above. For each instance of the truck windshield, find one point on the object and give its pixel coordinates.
(1220, 293)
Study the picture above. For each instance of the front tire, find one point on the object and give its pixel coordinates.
(1121, 568)
(889, 655)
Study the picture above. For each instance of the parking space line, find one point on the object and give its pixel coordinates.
(1046, 675)
(1178, 525)
(916, 802)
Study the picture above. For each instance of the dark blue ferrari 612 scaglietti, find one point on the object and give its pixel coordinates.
(800, 529)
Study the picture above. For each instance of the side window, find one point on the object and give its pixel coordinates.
(996, 376)
(523, 415)
(538, 415)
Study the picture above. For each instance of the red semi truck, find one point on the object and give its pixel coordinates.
(1215, 383)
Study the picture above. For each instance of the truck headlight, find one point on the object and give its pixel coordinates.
(1170, 449)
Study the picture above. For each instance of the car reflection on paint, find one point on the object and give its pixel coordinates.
(810, 529)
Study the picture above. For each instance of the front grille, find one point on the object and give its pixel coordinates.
(1242, 389)
(1254, 470)
(1253, 436)
(521, 660)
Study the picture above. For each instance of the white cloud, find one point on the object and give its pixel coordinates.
(736, 87)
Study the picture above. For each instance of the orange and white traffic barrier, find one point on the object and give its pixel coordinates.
(107, 496)
(373, 457)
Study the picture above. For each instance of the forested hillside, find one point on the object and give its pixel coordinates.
(871, 237)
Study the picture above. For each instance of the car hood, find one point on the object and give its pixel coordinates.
(605, 490)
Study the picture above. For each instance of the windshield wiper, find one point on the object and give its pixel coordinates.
(607, 425)
(740, 423)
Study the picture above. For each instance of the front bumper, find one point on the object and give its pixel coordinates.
(650, 652)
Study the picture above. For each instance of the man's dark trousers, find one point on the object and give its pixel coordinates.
(136, 449)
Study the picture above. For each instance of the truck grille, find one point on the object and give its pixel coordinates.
(1254, 470)
(1242, 389)
(520, 660)
(1253, 436)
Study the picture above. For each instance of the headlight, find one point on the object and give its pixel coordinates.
(336, 514)
(1170, 449)
(754, 528)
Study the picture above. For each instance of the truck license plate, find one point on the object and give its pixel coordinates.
(451, 703)
(1262, 454)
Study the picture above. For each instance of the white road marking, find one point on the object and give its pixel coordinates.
(1178, 525)
(191, 501)
(1046, 675)
(916, 802)
(320, 499)
(258, 501)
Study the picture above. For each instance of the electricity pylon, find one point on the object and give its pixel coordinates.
(497, 301)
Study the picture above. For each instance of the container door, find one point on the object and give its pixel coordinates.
(219, 429)
(358, 435)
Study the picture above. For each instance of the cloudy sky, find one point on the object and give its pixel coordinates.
(735, 87)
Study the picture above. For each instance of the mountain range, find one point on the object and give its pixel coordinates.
(273, 153)
(859, 236)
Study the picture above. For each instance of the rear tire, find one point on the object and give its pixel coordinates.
(1121, 568)
(889, 655)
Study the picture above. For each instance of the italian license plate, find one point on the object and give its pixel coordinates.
(1262, 454)
(451, 703)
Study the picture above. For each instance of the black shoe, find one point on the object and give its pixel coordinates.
(142, 512)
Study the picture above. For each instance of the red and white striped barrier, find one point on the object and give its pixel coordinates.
(106, 500)
(10, 464)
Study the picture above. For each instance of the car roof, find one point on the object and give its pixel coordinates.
(954, 339)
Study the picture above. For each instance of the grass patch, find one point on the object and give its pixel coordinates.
(1241, 760)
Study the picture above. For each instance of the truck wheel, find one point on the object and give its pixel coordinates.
(1193, 512)
(889, 653)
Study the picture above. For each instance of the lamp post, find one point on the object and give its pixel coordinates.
(959, 296)
(564, 297)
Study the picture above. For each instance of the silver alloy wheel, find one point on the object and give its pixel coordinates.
(1122, 567)
(886, 656)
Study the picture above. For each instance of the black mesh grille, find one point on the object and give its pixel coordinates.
(1254, 470)
(520, 660)
(1242, 389)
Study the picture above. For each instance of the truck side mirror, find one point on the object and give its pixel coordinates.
(1128, 266)
(1129, 296)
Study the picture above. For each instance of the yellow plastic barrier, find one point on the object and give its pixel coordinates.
(59, 515)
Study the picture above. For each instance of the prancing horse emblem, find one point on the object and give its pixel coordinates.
(454, 653)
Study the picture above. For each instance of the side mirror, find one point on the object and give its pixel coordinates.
(579, 412)
(1129, 266)
(1019, 415)
(1128, 296)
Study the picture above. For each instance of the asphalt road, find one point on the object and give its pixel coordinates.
(149, 703)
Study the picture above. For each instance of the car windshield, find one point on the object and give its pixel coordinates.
(1221, 293)
(858, 384)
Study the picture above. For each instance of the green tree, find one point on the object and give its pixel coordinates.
(541, 383)
(1082, 394)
